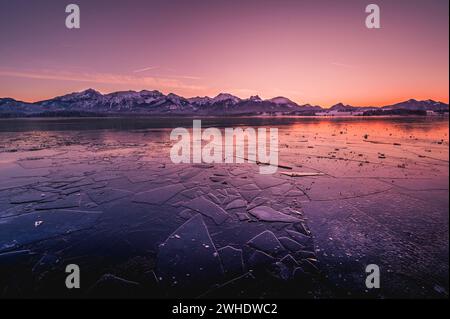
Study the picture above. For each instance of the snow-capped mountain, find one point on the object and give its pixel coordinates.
(410, 105)
(11, 106)
(225, 97)
(119, 102)
(200, 100)
(280, 100)
(156, 103)
(255, 98)
(340, 107)
(427, 105)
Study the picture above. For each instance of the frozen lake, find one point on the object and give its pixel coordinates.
(103, 194)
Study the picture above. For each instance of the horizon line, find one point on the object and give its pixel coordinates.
(399, 100)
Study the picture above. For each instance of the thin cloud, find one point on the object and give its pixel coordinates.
(186, 77)
(104, 78)
(343, 65)
(148, 68)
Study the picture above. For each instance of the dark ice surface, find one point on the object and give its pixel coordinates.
(103, 194)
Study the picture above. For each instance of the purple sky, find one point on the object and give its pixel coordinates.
(317, 52)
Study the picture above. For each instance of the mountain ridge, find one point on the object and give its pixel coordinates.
(156, 103)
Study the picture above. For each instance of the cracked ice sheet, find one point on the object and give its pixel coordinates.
(267, 242)
(208, 208)
(424, 183)
(158, 196)
(30, 196)
(28, 228)
(322, 188)
(189, 256)
(148, 225)
(13, 175)
(268, 214)
(357, 158)
(106, 195)
(406, 237)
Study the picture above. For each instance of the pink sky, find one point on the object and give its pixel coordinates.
(317, 52)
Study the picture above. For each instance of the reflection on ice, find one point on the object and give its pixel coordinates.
(353, 192)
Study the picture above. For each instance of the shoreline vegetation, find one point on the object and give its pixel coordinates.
(81, 114)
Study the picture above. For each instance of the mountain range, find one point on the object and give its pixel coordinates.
(92, 102)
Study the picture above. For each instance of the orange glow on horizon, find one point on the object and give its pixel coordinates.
(382, 101)
(312, 52)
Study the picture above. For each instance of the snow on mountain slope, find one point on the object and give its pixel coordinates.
(225, 97)
(155, 102)
(280, 100)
